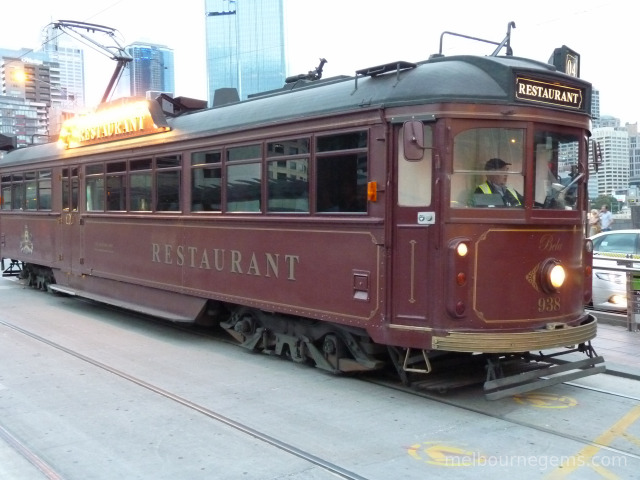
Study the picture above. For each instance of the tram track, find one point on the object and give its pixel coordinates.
(326, 465)
(469, 408)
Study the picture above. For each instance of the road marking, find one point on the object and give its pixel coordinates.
(585, 457)
(442, 455)
(543, 400)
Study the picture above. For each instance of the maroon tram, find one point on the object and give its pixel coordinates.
(345, 221)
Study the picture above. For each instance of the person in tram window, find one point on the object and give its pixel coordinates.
(496, 184)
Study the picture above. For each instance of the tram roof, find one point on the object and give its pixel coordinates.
(468, 79)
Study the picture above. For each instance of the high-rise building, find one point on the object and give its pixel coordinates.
(64, 50)
(245, 46)
(150, 73)
(613, 174)
(33, 82)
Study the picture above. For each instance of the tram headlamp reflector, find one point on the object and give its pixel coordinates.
(462, 249)
(557, 276)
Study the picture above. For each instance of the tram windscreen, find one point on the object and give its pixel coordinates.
(489, 169)
(557, 175)
(488, 162)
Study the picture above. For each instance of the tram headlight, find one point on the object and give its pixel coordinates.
(557, 276)
(552, 275)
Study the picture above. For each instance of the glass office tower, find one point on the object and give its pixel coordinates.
(245, 45)
(151, 71)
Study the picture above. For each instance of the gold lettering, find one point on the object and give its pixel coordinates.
(292, 260)
(219, 259)
(204, 261)
(236, 256)
(253, 266)
(192, 256)
(272, 264)
(180, 255)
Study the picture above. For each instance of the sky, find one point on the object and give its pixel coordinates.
(355, 34)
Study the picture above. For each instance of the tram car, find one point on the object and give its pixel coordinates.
(349, 222)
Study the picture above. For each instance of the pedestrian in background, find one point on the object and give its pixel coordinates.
(594, 223)
(606, 218)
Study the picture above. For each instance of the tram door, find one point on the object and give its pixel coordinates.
(70, 247)
(415, 230)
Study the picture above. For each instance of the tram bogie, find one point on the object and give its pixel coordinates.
(348, 222)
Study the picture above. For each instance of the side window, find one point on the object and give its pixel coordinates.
(414, 176)
(116, 186)
(140, 185)
(206, 181)
(168, 183)
(5, 194)
(488, 168)
(44, 190)
(288, 176)
(94, 190)
(342, 173)
(244, 178)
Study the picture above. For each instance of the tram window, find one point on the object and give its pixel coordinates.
(44, 190)
(6, 192)
(115, 167)
(556, 170)
(414, 177)
(95, 193)
(204, 158)
(288, 185)
(142, 164)
(30, 191)
(341, 183)
(343, 141)
(70, 188)
(94, 187)
(17, 191)
(168, 161)
(168, 186)
(140, 192)
(206, 181)
(295, 146)
(473, 149)
(116, 193)
(245, 152)
(244, 183)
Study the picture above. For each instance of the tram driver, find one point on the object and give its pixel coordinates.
(496, 186)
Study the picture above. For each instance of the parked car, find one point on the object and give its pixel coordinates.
(617, 248)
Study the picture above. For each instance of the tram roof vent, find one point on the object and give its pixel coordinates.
(175, 107)
(382, 69)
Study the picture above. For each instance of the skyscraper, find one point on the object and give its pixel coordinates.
(245, 45)
(150, 72)
(65, 51)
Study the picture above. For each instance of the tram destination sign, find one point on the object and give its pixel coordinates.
(549, 93)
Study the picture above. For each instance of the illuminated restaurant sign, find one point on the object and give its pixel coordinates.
(114, 121)
(549, 93)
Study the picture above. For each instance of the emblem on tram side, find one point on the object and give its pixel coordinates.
(26, 245)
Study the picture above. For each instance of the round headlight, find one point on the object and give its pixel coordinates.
(557, 276)
(551, 275)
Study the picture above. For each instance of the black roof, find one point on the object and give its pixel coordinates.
(469, 79)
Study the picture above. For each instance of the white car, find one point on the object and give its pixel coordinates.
(614, 249)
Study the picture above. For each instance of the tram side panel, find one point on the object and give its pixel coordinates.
(30, 238)
(331, 272)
